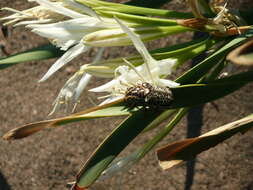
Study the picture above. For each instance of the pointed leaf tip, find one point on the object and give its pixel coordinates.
(76, 187)
(24, 131)
(107, 110)
(242, 55)
(177, 152)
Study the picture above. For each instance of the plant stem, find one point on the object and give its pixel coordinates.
(148, 146)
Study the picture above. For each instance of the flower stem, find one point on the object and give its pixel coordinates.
(148, 146)
(123, 8)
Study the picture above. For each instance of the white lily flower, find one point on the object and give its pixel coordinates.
(65, 23)
(151, 71)
(73, 88)
(76, 28)
(48, 11)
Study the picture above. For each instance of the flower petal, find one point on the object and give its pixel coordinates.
(70, 29)
(56, 7)
(166, 66)
(107, 87)
(111, 99)
(81, 85)
(140, 47)
(28, 22)
(81, 7)
(168, 83)
(67, 57)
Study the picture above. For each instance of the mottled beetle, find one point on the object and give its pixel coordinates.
(149, 96)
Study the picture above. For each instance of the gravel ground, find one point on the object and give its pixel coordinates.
(50, 159)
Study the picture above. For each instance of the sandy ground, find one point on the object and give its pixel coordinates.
(50, 159)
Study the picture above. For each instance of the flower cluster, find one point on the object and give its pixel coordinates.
(75, 27)
(151, 71)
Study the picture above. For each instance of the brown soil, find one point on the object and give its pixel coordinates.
(50, 159)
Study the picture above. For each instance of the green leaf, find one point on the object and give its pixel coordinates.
(247, 15)
(195, 93)
(38, 53)
(185, 51)
(143, 11)
(177, 152)
(107, 110)
(181, 52)
(191, 95)
(112, 146)
(99, 161)
(206, 8)
(135, 8)
(115, 143)
(148, 3)
(203, 67)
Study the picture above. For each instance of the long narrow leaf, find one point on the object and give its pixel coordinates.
(180, 151)
(107, 110)
(112, 146)
(195, 93)
(180, 52)
(202, 93)
(148, 3)
(96, 164)
(38, 53)
(203, 67)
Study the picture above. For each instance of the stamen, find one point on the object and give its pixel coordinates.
(124, 83)
(33, 22)
(103, 97)
(132, 67)
(11, 21)
(16, 11)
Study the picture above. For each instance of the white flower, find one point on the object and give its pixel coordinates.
(151, 71)
(47, 12)
(65, 23)
(76, 28)
(71, 91)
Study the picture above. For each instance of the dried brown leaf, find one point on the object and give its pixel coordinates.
(243, 55)
(177, 152)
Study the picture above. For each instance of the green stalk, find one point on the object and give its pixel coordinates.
(148, 3)
(143, 20)
(206, 8)
(130, 9)
(148, 12)
(161, 118)
(216, 71)
(200, 8)
(181, 52)
(115, 37)
(180, 114)
(148, 146)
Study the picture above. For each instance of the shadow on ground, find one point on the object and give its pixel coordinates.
(3, 183)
